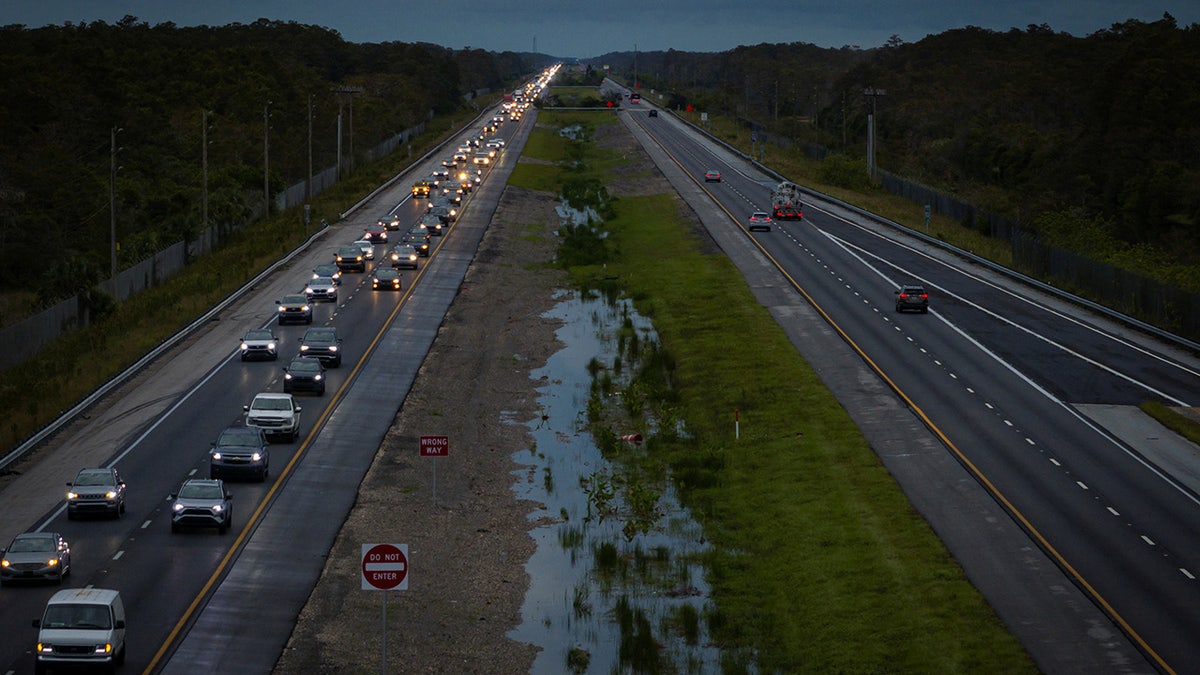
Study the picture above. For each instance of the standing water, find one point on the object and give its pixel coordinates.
(611, 591)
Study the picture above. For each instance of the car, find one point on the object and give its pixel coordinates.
(322, 343)
(418, 238)
(81, 628)
(321, 288)
(432, 224)
(759, 220)
(240, 451)
(462, 154)
(367, 248)
(653, 113)
(202, 503)
(376, 234)
(403, 255)
(446, 213)
(448, 163)
(304, 373)
(350, 259)
(328, 270)
(36, 556)
(96, 491)
(389, 221)
(422, 187)
(441, 174)
(712, 176)
(294, 308)
(385, 279)
(912, 296)
(260, 343)
(497, 143)
(276, 414)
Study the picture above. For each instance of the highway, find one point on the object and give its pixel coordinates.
(252, 581)
(1006, 380)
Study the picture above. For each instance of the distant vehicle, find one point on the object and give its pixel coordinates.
(385, 279)
(321, 288)
(328, 270)
(367, 248)
(322, 343)
(418, 238)
(712, 176)
(304, 373)
(653, 112)
(276, 414)
(202, 503)
(240, 451)
(786, 202)
(294, 308)
(376, 234)
(482, 157)
(260, 343)
(422, 187)
(635, 97)
(350, 259)
(403, 255)
(96, 491)
(759, 220)
(36, 556)
(390, 221)
(912, 296)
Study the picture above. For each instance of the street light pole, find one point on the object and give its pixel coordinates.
(871, 94)
(266, 160)
(112, 206)
(204, 171)
(308, 184)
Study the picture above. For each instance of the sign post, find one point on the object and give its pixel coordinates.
(384, 568)
(435, 446)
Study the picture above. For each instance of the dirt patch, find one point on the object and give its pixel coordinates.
(468, 551)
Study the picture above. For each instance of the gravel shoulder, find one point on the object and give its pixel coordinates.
(467, 551)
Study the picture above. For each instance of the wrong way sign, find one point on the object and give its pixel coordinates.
(385, 567)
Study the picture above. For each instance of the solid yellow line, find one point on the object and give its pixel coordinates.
(974, 470)
(217, 573)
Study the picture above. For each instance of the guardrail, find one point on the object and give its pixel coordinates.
(124, 376)
(1160, 333)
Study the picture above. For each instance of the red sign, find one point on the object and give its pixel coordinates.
(385, 567)
(435, 446)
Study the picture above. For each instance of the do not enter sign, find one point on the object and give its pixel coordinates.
(385, 567)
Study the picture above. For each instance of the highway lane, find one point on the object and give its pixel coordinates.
(998, 375)
(163, 576)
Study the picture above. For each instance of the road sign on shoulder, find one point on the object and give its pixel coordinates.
(385, 567)
(435, 446)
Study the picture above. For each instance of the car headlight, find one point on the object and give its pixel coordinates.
(333, 348)
(52, 562)
(303, 348)
(287, 376)
(308, 290)
(217, 508)
(72, 495)
(412, 257)
(256, 457)
(111, 494)
(177, 507)
(282, 308)
(317, 377)
(245, 346)
(4, 563)
(216, 456)
(271, 346)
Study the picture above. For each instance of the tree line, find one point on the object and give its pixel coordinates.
(89, 107)
(1041, 126)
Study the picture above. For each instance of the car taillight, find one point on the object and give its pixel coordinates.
(903, 296)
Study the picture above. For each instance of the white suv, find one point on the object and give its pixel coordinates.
(275, 414)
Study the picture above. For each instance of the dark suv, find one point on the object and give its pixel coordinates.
(914, 297)
(322, 343)
(240, 451)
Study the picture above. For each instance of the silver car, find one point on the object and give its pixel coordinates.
(260, 343)
(321, 288)
(202, 503)
(35, 556)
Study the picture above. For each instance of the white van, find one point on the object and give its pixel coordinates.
(81, 627)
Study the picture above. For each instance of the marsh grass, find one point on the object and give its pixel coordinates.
(819, 562)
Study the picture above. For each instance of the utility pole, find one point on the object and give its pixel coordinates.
(308, 183)
(266, 160)
(112, 206)
(635, 74)
(204, 171)
(344, 94)
(871, 94)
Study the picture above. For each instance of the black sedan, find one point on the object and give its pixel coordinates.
(304, 373)
(385, 279)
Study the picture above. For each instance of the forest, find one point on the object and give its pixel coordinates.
(1093, 141)
(128, 107)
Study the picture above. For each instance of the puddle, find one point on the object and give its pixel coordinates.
(604, 597)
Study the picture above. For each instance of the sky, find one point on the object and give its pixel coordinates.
(578, 29)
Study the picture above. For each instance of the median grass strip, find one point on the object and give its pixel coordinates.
(820, 563)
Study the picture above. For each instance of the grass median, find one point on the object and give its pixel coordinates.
(819, 562)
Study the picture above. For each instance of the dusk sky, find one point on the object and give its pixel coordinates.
(572, 28)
